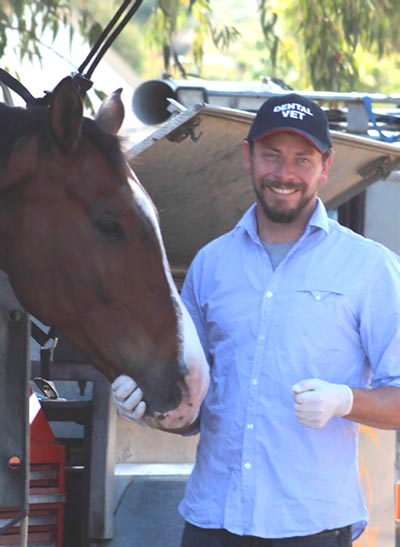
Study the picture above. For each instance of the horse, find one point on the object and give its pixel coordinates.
(82, 247)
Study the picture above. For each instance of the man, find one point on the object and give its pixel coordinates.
(300, 320)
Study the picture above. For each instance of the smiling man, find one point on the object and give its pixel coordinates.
(299, 319)
(288, 156)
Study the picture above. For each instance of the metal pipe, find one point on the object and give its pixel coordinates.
(24, 532)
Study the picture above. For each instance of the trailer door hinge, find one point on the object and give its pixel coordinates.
(380, 167)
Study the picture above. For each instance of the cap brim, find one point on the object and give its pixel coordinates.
(317, 144)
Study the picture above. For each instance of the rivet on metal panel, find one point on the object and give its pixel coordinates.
(15, 316)
(14, 462)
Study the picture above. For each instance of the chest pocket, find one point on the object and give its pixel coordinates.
(318, 295)
(325, 296)
(324, 307)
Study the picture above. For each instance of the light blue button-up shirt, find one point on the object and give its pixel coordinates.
(330, 310)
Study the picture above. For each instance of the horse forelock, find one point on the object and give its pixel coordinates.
(17, 123)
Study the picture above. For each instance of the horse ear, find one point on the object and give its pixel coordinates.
(111, 113)
(66, 115)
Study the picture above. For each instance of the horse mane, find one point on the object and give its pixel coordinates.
(18, 122)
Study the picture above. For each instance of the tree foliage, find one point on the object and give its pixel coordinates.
(330, 33)
(171, 18)
(30, 20)
(321, 40)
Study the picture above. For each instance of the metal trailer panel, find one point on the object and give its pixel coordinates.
(14, 399)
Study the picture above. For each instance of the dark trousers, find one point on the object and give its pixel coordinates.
(193, 536)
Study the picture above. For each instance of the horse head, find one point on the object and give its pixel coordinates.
(81, 244)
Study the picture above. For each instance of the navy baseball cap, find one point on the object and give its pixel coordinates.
(294, 114)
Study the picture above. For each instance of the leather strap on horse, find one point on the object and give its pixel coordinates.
(16, 86)
(83, 81)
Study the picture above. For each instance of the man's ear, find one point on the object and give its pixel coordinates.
(247, 157)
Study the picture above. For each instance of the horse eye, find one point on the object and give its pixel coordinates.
(110, 228)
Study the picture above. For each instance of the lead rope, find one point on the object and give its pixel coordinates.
(108, 41)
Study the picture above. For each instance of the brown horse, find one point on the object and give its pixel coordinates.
(80, 241)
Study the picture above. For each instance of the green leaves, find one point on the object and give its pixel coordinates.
(94, 33)
(224, 36)
(30, 20)
(173, 18)
(268, 22)
(170, 9)
(330, 35)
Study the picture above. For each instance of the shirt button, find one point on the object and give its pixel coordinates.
(247, 465)
(250, 426)
(254, 381)
(268, 294)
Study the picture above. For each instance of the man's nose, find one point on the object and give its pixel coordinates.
(285, 171)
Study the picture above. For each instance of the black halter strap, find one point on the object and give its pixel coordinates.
(16, 86)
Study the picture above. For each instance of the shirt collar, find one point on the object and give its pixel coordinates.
(248, 222)
(319, 218)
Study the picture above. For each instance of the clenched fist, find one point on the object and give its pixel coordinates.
(317, 401)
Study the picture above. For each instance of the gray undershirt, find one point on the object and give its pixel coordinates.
(277, 251)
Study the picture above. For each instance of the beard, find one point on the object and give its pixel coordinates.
(278, 214)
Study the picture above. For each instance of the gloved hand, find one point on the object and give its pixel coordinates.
(317, 401)
(128, 398)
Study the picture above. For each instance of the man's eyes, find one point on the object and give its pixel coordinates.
(303, 161)
(273, 156)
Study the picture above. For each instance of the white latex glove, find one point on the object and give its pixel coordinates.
(317, 401)
(128, 398)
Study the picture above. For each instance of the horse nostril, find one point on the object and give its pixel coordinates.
(160, 401)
